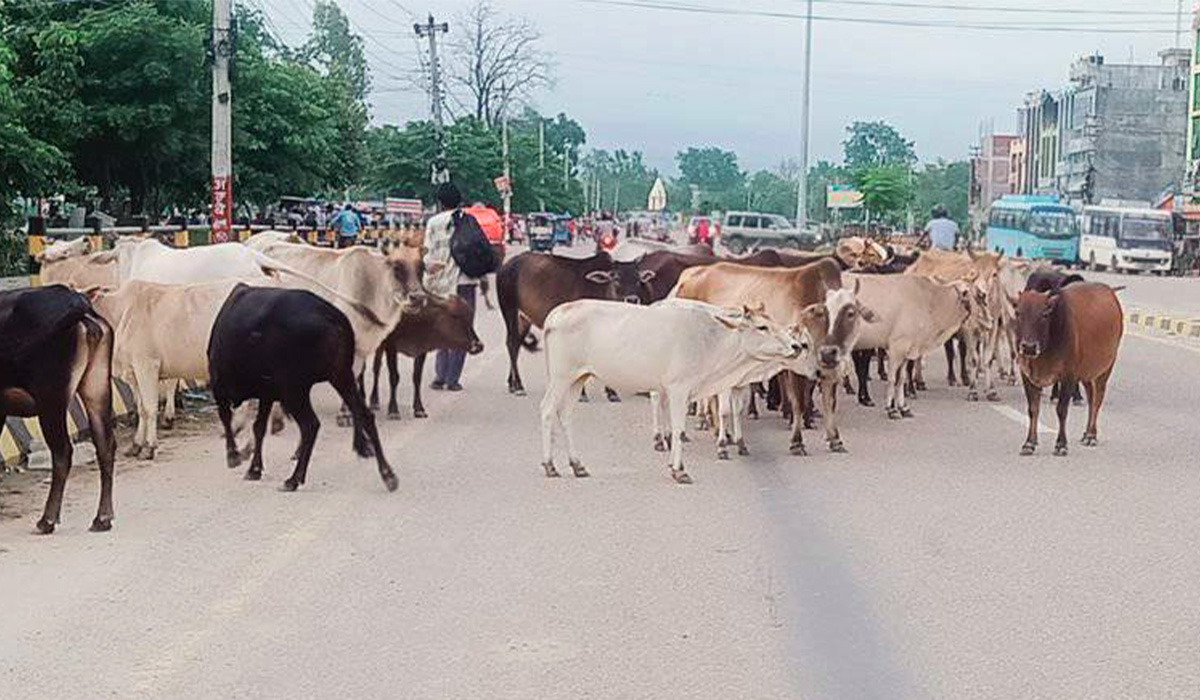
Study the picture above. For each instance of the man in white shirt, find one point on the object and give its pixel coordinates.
(941, 232)
(443, 278)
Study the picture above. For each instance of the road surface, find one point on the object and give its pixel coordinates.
(930, 562)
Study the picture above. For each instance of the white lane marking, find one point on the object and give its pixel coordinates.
(1018, 417)
(1163, 341)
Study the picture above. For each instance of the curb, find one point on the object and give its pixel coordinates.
(1166, 323)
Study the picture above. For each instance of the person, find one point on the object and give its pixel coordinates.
(702, 231)
(347, 225)
(443, 278)
(941, 232)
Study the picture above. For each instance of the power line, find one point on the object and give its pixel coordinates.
(731, 12)
(997, 8)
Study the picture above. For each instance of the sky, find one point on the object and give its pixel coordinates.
(660, 81)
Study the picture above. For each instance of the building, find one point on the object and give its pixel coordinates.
(1116, 131)
(1191, 173)
(990, 176)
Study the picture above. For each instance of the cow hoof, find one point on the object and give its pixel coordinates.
(893, 414)
(920, 386)
(1060, 450)
(45, 527)
(101, 525)
(344, 421)
(992, 396)
(550, 470)
(1012, 381)
(516, 391)
(972, 395)
(254, 475)
(837, 446)
(289, 486)
(391, 482)
(906, 413)
(703, 425)
(660, 444)
(583, 398)
(1076, 402)
(798, 450)
(753, 415)
(1028, 449)
(420, 413)
(742, 449)
(148, 452)
(166, 423)
(683, 437)
(680, 476)
(723, 454)
(134, 450)
(809, 424)
(374, 404)
(1088, 441)
(394, 415)
(613, 397)
(580, 471)
(233, 460)
(866, 402)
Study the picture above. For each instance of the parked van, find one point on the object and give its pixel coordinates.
(1125, 239)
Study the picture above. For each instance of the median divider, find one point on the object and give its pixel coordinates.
(1171, 324)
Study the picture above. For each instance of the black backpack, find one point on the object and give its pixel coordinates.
(469, 247)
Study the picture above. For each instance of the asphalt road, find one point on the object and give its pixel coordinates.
(930, 562)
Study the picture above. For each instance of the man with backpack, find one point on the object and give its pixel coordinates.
(457, 255)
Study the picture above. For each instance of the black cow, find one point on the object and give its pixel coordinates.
(273, 345)
(436, 325)
(53, 345)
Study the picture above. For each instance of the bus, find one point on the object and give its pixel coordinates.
(1035, 227)
(1125, 238)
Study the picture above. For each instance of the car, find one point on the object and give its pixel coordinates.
(743, 230)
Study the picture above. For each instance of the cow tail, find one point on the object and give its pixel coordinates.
(530, 342)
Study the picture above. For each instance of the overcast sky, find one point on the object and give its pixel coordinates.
(659, 81)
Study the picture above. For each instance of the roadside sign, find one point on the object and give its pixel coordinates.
(503, 184)
(397, 205)
(222, 209)
(843, 197)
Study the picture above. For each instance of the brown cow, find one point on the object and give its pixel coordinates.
(529, 285)
(1066, 338)
(436, 325)
(785, 292)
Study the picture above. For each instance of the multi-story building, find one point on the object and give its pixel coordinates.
(1037, 134)
(990, 177)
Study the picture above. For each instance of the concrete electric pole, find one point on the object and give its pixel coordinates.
(802, 193)
(439, 173)
(221, 213)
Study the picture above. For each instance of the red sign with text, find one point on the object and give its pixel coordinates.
(222, 210)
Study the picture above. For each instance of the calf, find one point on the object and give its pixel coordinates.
(683, 352)
(530, 285)
(438, 324)
(274, 345)
(1067, 338)
(53, 346)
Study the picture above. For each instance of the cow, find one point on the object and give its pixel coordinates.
(786, 292)
(530, 285)
(161, 332)
(1050, 280)
(1066, 338)
(913, 314)
(436, 325)
(70, 263)
(53, 346)
(273, 345)
(683, 352)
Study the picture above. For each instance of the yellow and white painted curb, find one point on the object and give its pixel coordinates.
(1164, 323)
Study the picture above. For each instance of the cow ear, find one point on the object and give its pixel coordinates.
(599, 276)
(646, 275)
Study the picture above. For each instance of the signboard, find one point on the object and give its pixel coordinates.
(222, 209)
(657, 201)
(396, 205)
(843, 197)
(503, 184)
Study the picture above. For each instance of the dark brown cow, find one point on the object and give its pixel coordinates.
(1067, 338)
(1051, 280)
(53, 345)
(438, 324)
(531, 284)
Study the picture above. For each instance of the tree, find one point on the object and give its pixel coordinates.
(872, 144)
(496, 62)
(942, 183)
(27, 164)
(711, 168)
(885, 191)
(338, 53)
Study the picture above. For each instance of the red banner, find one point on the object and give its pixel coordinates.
(222, 210)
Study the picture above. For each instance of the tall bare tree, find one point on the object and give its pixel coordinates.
(494, 61)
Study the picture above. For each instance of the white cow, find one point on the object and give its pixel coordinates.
(682, 352)
(161, 332)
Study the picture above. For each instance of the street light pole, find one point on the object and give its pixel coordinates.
(802, 194)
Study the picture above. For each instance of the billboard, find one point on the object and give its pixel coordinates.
(842, 197)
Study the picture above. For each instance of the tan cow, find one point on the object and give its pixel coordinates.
(912, 316)
(161, 332)
(784, 293)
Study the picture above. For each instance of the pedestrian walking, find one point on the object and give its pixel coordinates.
(347, 224)
(941, 232)
(443, 278)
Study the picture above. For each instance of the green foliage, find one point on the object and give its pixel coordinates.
(885, 191)
(872, 144)
(942, 183)
(338, 54)
(712, 169)
(27, 164)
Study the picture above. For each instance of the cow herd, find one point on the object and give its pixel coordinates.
(263, 322)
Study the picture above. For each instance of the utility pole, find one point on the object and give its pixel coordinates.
(541, 162)
(802, 194)
(507, 193)
(221, 212)
(439, 173)
(1179, 24)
